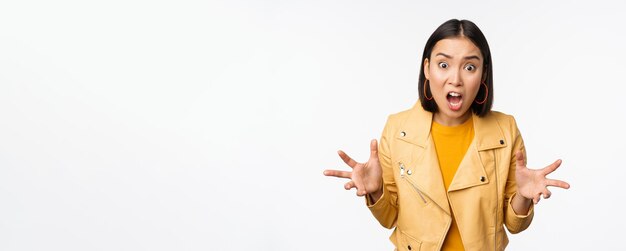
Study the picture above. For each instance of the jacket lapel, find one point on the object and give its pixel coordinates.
(471, 172)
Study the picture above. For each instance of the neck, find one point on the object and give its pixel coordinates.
(451, 121)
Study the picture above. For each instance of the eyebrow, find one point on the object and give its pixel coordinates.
(448, 56)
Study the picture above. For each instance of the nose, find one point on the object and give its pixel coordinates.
(455, 78)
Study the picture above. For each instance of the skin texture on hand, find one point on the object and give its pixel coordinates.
(532, 184)
(365, 177)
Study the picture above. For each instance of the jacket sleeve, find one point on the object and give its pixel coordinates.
(515, 223)
(385, 210)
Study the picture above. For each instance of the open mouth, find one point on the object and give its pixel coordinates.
(455, 100)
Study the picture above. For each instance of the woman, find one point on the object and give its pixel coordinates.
(450, 173)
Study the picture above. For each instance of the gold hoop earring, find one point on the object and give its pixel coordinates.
(426, 96)
(486, 94)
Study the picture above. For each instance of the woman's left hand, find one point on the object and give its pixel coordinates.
(531, 184)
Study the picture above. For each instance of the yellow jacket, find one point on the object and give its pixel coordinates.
(414, 200)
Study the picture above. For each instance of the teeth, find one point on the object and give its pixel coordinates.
(454, 94)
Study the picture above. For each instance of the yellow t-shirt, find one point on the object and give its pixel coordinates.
(451, 143)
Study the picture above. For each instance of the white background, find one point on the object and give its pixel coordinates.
(194, 125)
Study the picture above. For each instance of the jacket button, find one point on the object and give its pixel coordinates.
(409, 172)
(409, 247)
(403, 134)
(482, 178)
(501, 142)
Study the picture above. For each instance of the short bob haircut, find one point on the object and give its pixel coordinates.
(460, 28)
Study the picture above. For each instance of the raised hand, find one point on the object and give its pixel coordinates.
(365, 177)
(531, 184)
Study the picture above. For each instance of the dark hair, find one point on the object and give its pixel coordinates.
(456, 28)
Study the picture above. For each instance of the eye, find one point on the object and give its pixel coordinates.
(443, 65)
(470, 67)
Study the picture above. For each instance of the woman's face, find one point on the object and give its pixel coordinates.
(454, 74)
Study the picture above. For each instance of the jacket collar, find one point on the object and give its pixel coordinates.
(416, 129)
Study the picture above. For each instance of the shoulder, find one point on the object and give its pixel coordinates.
(399, 117)
(501, 116)
(394, 121)
(414, 115)
(505, 121)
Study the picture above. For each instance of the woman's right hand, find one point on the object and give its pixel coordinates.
(365, 177)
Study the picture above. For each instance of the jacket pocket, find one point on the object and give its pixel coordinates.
(409, 243)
